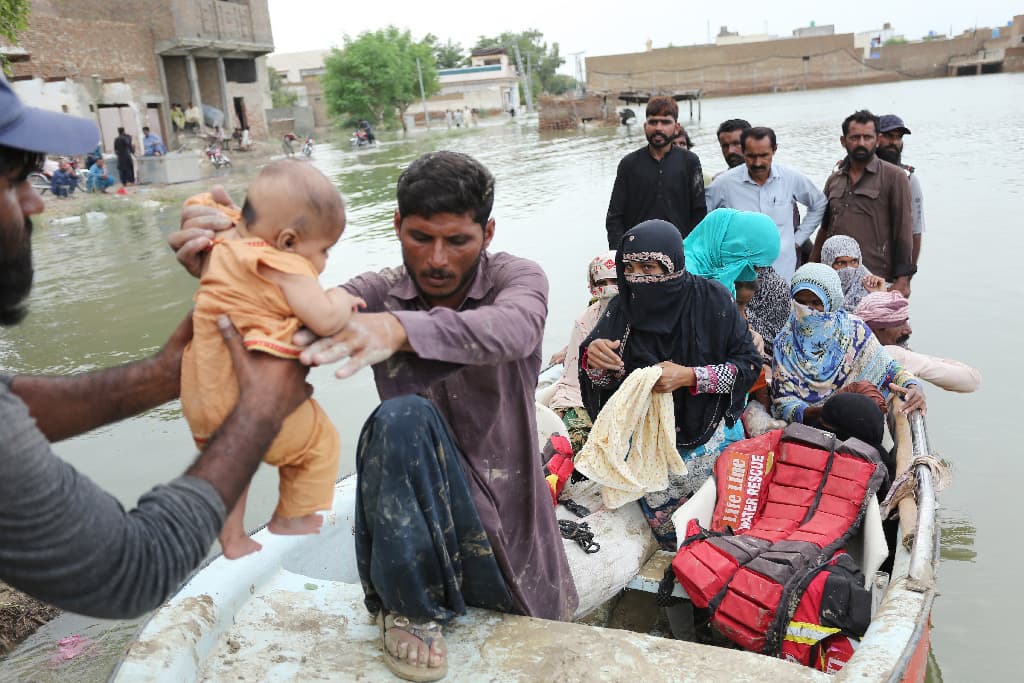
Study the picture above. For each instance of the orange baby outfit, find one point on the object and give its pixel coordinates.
(307, 448)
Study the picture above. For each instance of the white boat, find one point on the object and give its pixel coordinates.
(294, 612)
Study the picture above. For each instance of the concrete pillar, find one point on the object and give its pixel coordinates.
(193, 85)
(225, 101)
(165, 111)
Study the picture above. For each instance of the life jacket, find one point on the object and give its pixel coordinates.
(833, 613)
(787, 502)
(558, 464)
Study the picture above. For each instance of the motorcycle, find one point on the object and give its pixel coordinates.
(307, 149)
(216, 156)
(359, 139)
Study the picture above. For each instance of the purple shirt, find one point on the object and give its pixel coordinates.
(479, 364)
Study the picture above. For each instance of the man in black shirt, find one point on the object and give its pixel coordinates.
(124, 148)
(657, 181)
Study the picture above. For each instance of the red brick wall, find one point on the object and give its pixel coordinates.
(83, 38)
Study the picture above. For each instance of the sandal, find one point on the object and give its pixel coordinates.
(427, 632)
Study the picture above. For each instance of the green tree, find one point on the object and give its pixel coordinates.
(13, 20)
(279, 95)
(377, 72)
(543, 61)
(448, 56)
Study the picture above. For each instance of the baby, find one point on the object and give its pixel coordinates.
(263, 274)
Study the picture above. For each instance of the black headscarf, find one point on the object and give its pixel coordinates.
(850, 414)
(676, 317)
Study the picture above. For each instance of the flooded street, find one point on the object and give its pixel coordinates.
(109, 291)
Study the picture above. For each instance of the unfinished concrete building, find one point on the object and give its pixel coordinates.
(126, 64)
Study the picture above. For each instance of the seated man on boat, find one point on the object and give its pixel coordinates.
(63, 539)
(452, 508)
(888, 316)
(690, 328)
(823, 348)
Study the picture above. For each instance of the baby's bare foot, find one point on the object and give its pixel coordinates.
(296, 526)
(235, 547)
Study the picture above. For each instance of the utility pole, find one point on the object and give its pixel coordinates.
(522, 75)
(581, 85)
(423, 93)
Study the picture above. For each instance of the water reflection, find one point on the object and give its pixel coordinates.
(957, 541)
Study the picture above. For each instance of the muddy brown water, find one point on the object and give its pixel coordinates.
(108, 291)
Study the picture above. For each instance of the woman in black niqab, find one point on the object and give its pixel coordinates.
(692, 324)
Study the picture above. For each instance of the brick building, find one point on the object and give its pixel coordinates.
(126, 63)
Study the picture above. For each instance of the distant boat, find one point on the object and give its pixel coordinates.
(294, 611)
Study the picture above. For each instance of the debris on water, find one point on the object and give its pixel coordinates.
(150, 204)
(71, 646)
(311, 586)
(66, 220)
(95, 216)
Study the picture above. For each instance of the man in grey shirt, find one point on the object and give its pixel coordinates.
(891, 130)
(62, 538)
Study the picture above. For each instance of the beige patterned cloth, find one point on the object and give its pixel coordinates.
(632, 446)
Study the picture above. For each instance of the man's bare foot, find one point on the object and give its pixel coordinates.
(296, 526)
(235, 547)
(415, 652)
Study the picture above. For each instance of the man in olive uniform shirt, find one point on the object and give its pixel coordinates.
(869, 200)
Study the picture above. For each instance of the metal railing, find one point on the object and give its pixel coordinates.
(922, 555)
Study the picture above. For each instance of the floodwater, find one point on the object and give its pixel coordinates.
(109, 291)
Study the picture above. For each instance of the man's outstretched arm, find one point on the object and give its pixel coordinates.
(67, 542)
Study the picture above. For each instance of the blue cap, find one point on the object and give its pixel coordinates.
(888, 122)
(38, 130)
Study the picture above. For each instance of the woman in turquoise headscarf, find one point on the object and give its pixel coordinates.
(822, 349)
(728, 245)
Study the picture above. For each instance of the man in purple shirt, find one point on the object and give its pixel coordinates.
(454, 337)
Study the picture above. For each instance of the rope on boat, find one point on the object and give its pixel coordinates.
(579, 532)
(574, 507)
(906, 484)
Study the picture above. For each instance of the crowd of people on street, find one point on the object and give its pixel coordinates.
(718, 286)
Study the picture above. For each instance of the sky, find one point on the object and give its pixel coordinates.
(605, 27)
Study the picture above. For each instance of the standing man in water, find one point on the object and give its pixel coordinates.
(452, 509)
(660, 180)
(869, 200)
(728, 134)
(770, 188)
(891, 130)
(63, 539)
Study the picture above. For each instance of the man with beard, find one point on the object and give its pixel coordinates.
(62, 538)
(728, 134)
(891, 130)
(888, 316)
(869, 200)
(770, 188)
(660, 180)
(452, 509)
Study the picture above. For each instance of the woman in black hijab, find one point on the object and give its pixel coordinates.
(691, 328)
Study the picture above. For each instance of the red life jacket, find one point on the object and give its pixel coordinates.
(787, 501)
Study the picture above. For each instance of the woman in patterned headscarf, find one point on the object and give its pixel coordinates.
(566, 400)
(690, 327)
(823, 348)
(842, 252)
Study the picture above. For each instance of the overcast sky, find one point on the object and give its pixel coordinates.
(604, 27)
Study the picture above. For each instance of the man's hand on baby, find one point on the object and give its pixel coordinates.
(369, 338)
(199, 226)
(271, 386)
